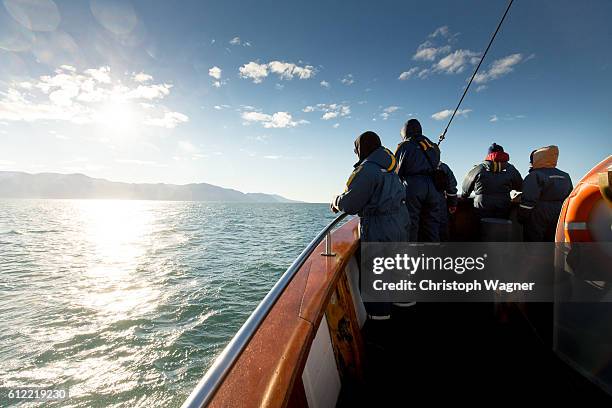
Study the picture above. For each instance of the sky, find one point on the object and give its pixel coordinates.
(268, 96)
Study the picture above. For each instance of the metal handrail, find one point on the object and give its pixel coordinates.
(205, 389)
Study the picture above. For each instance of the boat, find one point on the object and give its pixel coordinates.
(310, 343)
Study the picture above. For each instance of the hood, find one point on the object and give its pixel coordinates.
(494, 166)
(411, 129)
(545, 157)
(383, 158)
(365, 144)
(498, 157)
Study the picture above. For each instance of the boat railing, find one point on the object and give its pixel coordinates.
(204, 391)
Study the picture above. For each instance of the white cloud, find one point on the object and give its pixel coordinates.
(154, 91)
(325, 84)
(455, 62)
(386, 113)
(239, 41)
(285, 70)
(90, 96)
(142, 77)
(481, 88)
(101, 74)
(424, 73)
(348, 80)
(495, 118)
(336, 125)
(330, 111)
(448, 112)
(68, 68)
(253, 70)
(440, 32)
(329, 115)
(169, 120)
(215, 72)
(276, 120)
(498, 68)
(427, 52)
(288, 70)
(408, 74)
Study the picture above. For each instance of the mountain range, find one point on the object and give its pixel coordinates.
(55, 185)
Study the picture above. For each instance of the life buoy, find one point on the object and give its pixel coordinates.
(587, 212)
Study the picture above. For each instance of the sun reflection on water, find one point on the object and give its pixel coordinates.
(117, 234)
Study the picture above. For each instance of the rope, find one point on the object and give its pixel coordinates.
(443, 135)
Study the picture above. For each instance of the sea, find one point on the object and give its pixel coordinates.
(127, 303)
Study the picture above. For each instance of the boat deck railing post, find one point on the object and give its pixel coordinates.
(328, 245)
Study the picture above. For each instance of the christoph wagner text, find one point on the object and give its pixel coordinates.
(412, 264)
(453, 286)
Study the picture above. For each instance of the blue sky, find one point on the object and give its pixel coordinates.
(266, 96)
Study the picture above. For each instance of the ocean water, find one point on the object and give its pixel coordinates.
(128, 302)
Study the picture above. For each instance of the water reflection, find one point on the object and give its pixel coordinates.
(117, 235)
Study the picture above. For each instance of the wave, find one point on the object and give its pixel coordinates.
(11, 232)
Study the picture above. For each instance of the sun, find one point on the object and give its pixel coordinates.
(117, 116)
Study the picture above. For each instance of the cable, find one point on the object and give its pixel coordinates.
(443, 135)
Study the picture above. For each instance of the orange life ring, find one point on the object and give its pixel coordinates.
(575, 219)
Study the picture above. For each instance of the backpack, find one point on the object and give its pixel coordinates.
(439, 178)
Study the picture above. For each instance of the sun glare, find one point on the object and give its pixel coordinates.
(117, 116)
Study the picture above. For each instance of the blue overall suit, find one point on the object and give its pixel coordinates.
(422, 197)
(448, 200)
(544, 190)
(376, 194)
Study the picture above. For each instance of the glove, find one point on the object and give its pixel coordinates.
(334, 209)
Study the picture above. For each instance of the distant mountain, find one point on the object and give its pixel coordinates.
(54, 185)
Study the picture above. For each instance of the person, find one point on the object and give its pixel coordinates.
(375, 193)
(544, 190)
(448, 203)
(491, 181)
(417, 159)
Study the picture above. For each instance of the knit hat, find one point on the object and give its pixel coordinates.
(495, 148)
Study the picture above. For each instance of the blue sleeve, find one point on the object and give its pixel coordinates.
(532, 189)
(469, 181)
(451, 190)
(517, 180)
(359, 189)
(404, 155)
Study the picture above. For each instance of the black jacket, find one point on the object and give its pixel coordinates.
(491, 183)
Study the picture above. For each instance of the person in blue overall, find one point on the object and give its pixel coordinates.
(417, 158)
(375, 193)
(544, 190)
